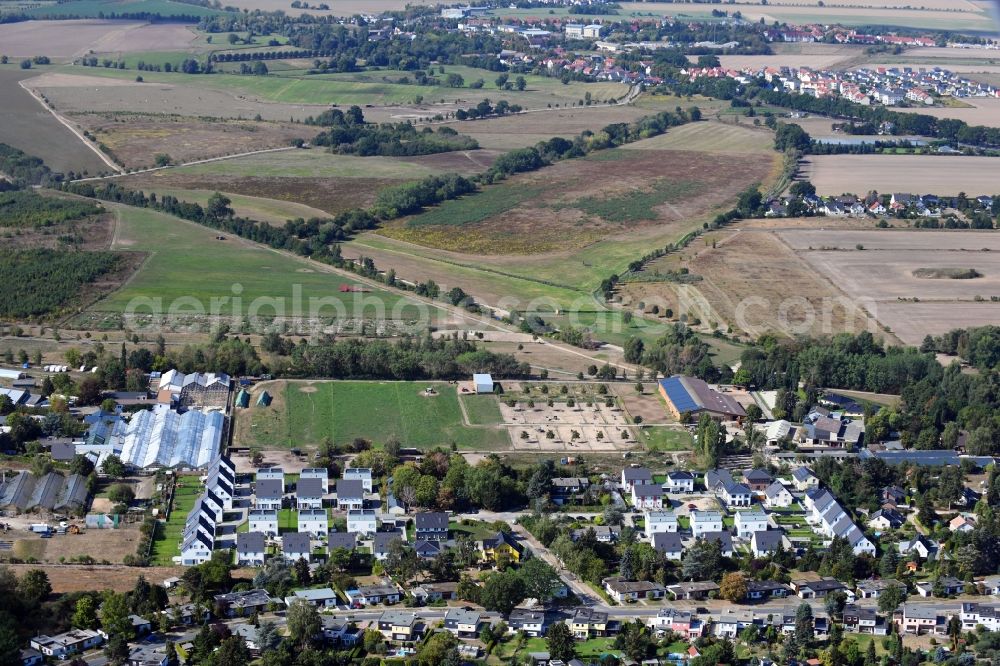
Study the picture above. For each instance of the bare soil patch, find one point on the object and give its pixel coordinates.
(817, 58)
(82, 578)
(941, 174)
(135, 139)
(91, 233)
(648, 404)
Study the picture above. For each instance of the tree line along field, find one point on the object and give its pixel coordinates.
(313, 178)
(304, 414)
(188, 261)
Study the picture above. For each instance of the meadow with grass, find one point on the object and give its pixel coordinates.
(186, 261)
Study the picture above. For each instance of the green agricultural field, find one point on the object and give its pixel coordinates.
(95, 8)
(168, 536)
(305, 414)
(186, 261)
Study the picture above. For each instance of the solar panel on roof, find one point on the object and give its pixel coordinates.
(679, 396)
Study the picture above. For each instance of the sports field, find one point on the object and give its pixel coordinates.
(303, 414)
(187, 267)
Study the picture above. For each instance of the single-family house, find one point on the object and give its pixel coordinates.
(296, 546)
(817, 589)
(588, 623)
(715, 479)
(668, 543)
(314, 522)
(766, 542)
(431, 526)
(345, 540)
(860, 620)
(268, 494)
(147, 655)
(531, 621)
(886, 519)
(634, 475)
(264, 521)
(920, 619)
(692, 591)
(703, 522)
(71, 642)
(804, 479)
(271, 474)
(350, 495)
(372, 595)
(309, 493)
(749, 522)
(919, 546)
(647, 495)
(962, 523)
(759, 590)
(757, 479)
(945, 586)
(499, 546)
(362, 474)
(776, 496)
(660, 521)
(362, 521)
(382, 542)
(724, 538)
(431, 592)
(625, 591)
(250, 549)
(679, 481)
(321, 597)
(31, 657)
(565, 488)
(243, 604)
(340, 631)
(399, 626)
(873, 588)
(463, 623)
(736, 494)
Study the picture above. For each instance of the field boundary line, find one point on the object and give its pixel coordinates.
(207, 160)
(38, 98)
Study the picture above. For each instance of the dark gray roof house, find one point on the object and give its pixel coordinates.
(248, 543)
(270, 489)
(350, 489)
(348, 540)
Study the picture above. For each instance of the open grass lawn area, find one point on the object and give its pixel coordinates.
(288, 521)
(476, 531)
(343, 411)
(187, 267)
(167, 544)
(482, 409)
(659, 438)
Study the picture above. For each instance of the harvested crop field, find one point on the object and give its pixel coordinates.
(883, 277)
(135, 139)
(67, 39)
(28, 126)
(746, 283)
(821, 56)
(982, 110)
(940, 174)
(574, 203)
